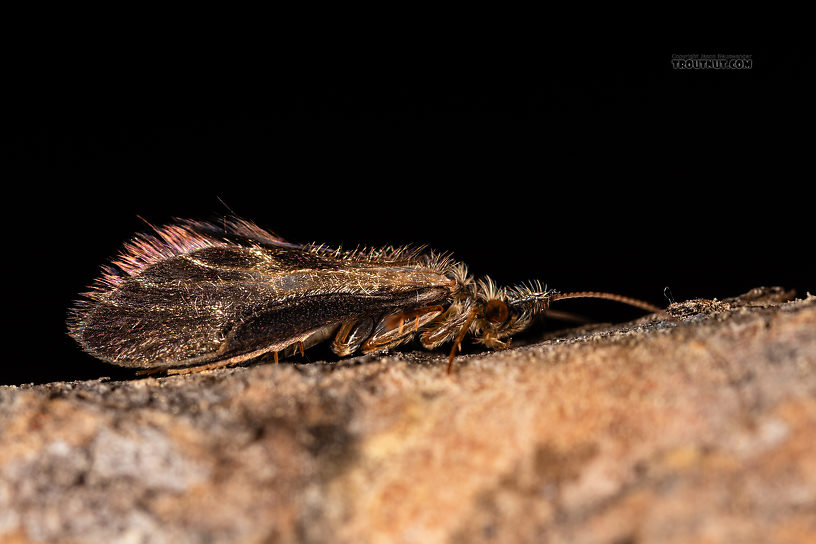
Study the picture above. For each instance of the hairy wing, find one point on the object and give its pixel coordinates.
(221, 300)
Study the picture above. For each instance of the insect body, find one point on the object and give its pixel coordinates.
(197, 294)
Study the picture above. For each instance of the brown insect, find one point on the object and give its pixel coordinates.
(198, 295)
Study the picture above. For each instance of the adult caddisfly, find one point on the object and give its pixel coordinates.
(196, 295)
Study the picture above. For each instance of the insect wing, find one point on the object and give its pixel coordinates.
(234, 301)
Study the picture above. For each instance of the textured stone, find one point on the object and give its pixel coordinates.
(693, 425)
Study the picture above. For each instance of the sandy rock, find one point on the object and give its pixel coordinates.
(696, 424)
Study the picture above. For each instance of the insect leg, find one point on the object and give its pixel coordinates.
(351, 336)
(200, 368)
(457, 344)
(217, 364)
(391, 329)
(446, 327)
(302, 343)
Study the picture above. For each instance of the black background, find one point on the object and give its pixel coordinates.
(589, 169)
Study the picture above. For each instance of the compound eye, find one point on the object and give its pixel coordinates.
(496, 311)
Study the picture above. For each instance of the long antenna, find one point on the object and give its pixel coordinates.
(608, 296)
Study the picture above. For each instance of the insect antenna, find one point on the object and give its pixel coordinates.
(608, 296)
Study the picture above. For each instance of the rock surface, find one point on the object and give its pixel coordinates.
(697, 424)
